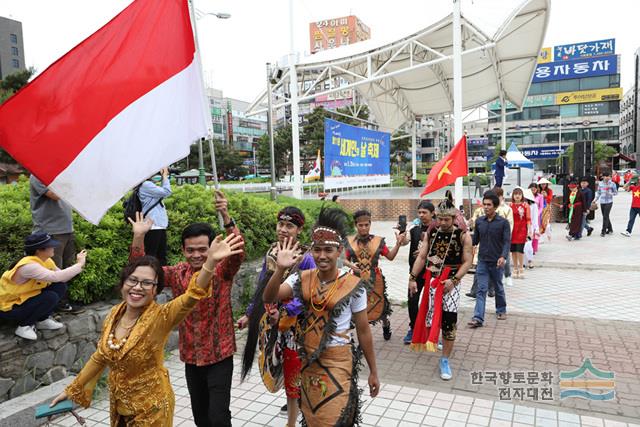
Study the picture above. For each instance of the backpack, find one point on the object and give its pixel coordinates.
(132, 204)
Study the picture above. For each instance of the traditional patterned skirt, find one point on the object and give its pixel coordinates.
(330, 394)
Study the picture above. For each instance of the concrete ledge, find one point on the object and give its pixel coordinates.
(21, 410)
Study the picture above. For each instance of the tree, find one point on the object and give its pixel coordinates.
(282, 148)
(601, 153)
(400, 146)
(312, 135)
(228, 160)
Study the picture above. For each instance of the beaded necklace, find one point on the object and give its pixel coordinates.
(113, 343)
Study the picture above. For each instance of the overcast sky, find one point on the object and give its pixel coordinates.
(234, 51)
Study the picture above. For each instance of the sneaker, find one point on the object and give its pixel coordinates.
(386, 331)
(626, 233)
(27, 332)
(589, 231)
(284, 408)
(49, 324)
(470, 295)
(439, 344)
(407, 338)
(65, 307)
(445, 370)
(508, 281)
(602, 234)
(491, 294)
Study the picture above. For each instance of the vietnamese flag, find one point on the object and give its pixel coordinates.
(122, 104)
(450, 167)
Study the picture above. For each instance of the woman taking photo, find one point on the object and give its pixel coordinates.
(133, 339)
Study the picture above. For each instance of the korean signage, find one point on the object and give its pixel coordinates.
(354, 156)
(542, 152)
(597, 95)
(584, 50)
(545, 55)
(478, 141)
(529, 101)
(586, 67)
(336, 32)
(595, 109)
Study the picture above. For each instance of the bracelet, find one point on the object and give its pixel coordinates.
(230, 224)
(206, 269)
(412, 276)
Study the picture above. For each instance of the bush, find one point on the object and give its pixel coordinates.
(108, 243)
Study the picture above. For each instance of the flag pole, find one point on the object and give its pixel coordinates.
(206, 104)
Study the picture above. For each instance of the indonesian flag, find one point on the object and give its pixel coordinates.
(314, 174)
(450, 167)
(122, 104)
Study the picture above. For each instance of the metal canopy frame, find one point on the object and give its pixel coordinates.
(376, 73)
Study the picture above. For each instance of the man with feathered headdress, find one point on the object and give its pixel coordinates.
(447, 253)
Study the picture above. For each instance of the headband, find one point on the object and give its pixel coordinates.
(326, 236)
(293, 218)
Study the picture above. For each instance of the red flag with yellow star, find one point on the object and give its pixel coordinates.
(452, 166)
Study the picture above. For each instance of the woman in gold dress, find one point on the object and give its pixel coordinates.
(133, 339)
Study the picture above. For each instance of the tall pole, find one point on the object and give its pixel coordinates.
(293, 90)
(457, 89)
(414, 150)
(201, 178)
(503, 115)
(271, 136)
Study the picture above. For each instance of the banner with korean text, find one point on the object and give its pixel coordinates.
(575, 69)
(355, 156)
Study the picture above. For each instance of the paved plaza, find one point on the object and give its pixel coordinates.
(580, 301)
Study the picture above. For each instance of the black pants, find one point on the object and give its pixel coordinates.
(155, 244)
(414, 302)
(36, 308)
(210, 391)
(606, 222)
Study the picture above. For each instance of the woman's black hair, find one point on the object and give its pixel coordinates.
(361, 212)
(426, 204)
(197, 229)
(335, 219)
(30, 252)
(145, 261)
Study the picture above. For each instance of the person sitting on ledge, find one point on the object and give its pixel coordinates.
(31, 288)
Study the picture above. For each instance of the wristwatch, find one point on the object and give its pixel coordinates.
(231, 223)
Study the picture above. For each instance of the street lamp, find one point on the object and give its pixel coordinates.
(201, 178)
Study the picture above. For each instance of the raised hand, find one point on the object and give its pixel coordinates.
(81, 258)
(287, 253)
(141, 225)
(222, 248)
(222, 204)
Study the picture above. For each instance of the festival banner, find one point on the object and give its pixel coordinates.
(354, 156)
(575, 69)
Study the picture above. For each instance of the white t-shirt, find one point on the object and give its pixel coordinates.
(356, 305)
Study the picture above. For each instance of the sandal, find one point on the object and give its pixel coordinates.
(474, 324)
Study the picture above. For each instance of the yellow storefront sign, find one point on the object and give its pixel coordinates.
(545, 55)
(581, 97)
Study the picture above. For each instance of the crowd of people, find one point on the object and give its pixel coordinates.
(307, 300)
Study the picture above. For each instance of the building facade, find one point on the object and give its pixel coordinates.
(11, 47)
(575, 95)
(336, 32)
(627, 145)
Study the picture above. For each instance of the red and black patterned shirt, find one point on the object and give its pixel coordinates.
(207, 334)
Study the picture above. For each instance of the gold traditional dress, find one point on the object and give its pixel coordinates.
(139, 387)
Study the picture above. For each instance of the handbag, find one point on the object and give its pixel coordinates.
(593, 207)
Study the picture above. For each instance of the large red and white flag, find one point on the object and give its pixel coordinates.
(125, 102)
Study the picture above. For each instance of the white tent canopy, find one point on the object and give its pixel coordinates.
(516, 158)
(413, 76)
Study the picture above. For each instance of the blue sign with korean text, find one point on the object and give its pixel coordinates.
(584, 50)
(542, 152)
(354, 156)
(586, 67)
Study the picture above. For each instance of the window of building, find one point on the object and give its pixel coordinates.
(533, 113)
(549, 111)
(569, 110)
(614, 80)
(569, 85)
(598, 82)
(614, 107)
(549, 87)
(534, 89)
(13, 38)
(16, 63)
(14, 51)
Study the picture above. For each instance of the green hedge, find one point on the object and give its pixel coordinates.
(108, 243)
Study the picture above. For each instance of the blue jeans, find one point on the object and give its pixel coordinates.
(632, 218)
(486, 271)
(36, 308)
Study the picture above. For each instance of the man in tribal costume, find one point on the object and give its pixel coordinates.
(279, 361)
(362, 256)
(330, 299)
(447, 254)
